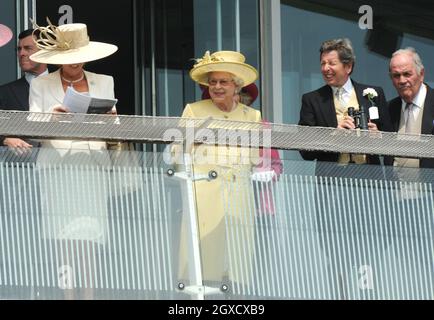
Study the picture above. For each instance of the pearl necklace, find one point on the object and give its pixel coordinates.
(71, 82)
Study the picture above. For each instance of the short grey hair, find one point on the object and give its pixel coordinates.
(239, 83)
(344, 49)
(413, 53)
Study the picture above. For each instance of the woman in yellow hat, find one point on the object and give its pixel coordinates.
(224, 205)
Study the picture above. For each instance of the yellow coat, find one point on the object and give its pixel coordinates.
(229, 195)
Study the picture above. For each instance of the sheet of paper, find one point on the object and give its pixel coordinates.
(75, 101)
(78, 102)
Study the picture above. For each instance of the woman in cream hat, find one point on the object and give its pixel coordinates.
(69, 47)
(74, 204)
(5, 35)
(224, 73)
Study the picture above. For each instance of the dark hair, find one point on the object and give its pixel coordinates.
(344, 49)
(26, 33)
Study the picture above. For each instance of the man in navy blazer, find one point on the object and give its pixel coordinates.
(15, 95)
(319, 107)
(407, 73)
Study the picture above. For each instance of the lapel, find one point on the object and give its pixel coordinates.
(91, 83)
(395, 112)
(428, 112)
(20, 90)
(359, 92)
(56, 87)
(327, 106)
(362, 100)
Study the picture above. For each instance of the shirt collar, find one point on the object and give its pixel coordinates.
(30, 76)
(348, 87)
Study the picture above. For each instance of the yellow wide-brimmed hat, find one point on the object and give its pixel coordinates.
(5, 35)
(68, 44)
(223, 61)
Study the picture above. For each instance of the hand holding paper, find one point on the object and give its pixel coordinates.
(78, 102)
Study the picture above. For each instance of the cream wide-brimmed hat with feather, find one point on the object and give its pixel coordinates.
(223, 61)
(5, 35)
(68, 44)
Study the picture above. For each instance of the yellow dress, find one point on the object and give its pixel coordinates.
(230, 194)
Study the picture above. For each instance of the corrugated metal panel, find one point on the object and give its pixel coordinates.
(335, 238)
(78, 226)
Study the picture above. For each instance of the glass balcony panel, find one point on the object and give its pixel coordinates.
(84, 228)
(74, 228)
(365, 235)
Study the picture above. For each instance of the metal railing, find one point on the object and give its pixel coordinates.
(85, 228)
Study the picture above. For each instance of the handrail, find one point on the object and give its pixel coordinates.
(144, 129)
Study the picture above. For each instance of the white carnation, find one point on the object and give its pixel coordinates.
(371, 93)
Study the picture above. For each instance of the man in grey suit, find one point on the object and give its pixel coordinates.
(15, 95)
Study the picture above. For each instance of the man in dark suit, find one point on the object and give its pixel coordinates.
(407, 73)
(328, 105)
(412, 112)
(15, 95)
(341, 220)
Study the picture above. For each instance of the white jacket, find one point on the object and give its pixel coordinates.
(46, 92)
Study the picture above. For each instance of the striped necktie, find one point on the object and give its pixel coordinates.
(410, 124)
(339, 94)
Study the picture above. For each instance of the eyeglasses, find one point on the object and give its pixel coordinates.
(223, 82)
